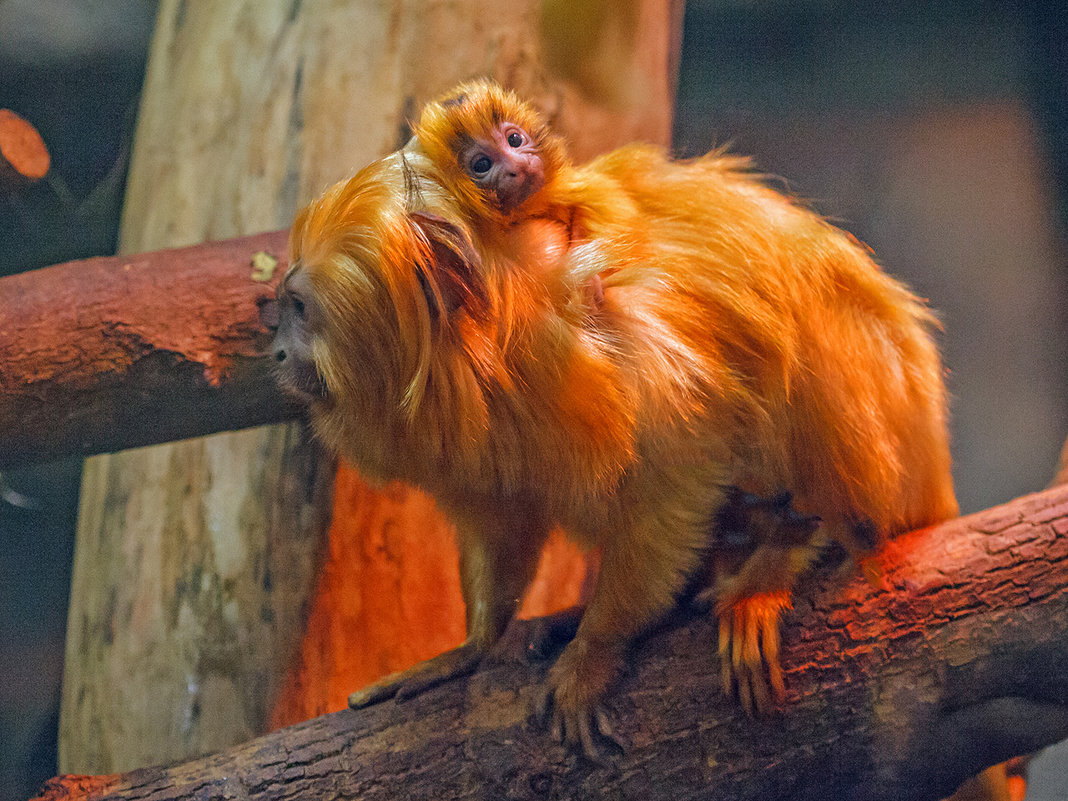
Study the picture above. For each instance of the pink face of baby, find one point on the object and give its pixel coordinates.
(507, 165)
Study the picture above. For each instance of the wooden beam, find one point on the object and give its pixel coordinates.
(110, 353)
(955, 661)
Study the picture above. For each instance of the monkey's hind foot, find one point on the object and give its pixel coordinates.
(569, 701)
(749, 650)
(462, 661)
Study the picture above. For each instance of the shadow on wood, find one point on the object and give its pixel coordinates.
(899, 691)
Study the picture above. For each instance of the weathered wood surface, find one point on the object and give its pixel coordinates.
(111, 353)
(956, 660)
(389, 595)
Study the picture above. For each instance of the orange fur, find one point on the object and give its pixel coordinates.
(742, 341)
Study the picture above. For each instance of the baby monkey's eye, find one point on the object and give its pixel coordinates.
(481, 164)
(515, 139)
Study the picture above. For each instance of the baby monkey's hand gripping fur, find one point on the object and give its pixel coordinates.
(742, 341)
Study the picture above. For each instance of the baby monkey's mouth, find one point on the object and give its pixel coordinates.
(513, 193)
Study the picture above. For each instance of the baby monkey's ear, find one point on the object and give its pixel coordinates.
(454, 278)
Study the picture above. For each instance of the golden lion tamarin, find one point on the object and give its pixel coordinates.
(507, 171)
(742, 342)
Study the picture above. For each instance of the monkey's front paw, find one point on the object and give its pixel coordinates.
(569, 700)
(749, 650)
(461, 661)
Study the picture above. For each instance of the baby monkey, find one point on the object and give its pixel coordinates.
(495, 153)
(504, 165)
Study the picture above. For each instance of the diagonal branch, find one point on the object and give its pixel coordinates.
(110, 353)
(958, 660)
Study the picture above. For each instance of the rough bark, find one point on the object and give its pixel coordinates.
(899, 691)
(248, 110)
(111, 353)
(389, 595)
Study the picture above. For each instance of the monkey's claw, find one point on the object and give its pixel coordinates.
(461, 661)
(749, 650)
(582, 729)
(568, 703)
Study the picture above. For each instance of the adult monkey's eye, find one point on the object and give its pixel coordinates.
(298, 306)
(481, 164)
(515, 139)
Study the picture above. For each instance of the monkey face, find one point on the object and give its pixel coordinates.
(507, 163)
(293, 316)
(375, 289)
(494, 153)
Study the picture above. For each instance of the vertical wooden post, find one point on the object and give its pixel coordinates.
(194, 561)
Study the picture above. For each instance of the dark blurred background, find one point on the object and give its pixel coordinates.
(936, 132)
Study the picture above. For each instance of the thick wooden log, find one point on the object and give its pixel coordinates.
(957, 659)
(110, 353)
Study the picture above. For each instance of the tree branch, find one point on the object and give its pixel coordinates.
(23, 156)
(899, 691)
(110, 353)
